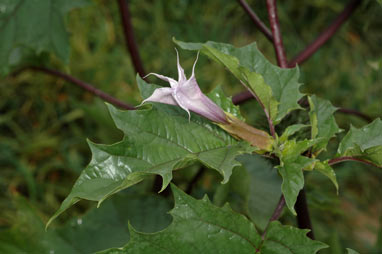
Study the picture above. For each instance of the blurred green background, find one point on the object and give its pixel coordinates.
(45, 121)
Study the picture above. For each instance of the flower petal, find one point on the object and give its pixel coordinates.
(172, 81)
(191, 97)
(162, 95)
(193, 67)
(181, 76)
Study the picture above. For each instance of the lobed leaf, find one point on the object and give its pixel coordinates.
(157, 141)
(363, 143)
(200, 227)
(276, 88)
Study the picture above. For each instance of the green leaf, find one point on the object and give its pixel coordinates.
(291, 169)
(200, 227)
(225, 102)
(293, 179)
(364, 143)
(328, 171)
(264, 189)
(350, 251)
(291, 130)
(36, 25)
(157, 141)
(276, 88)
(99, 229)
(253, 189)
(289, 240)
(323, 123)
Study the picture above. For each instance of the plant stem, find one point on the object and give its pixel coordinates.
(301, 206)
(276, 214)
(303, 218)
(260, 25)
(349, 158)
(355, 113)
(129, 37)
(277, 38)
(325, 35)
(88, 87)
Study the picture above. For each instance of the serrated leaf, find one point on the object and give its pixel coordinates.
(157, 141)
(364, 143)
(323, 123)
(279, 238)
(200, 227)
(291, 169)
(251, 67)
(325, 169)
(37, 25)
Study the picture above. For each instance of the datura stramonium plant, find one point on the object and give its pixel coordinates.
(186, 94)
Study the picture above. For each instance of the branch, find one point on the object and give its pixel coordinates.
(326, 35)
(355, 113)
(129, 37)
(276, 214)
(88, 87)
(277, 39)
(260, 25)
(349, 158)
(303, 218)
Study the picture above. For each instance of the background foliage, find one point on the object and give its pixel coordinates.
(44, 121)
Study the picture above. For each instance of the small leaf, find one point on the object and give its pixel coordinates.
(323, 123)
(277, 88)
(293, 179)
(157, 141)
(328, 171)
(37, 25)
(291, 169)
(291, 130)
(200, 227)
(350, 251)
(364, 143)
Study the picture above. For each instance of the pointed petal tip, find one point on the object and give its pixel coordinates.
(193, 67)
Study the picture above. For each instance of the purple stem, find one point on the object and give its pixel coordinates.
(260, 25)
(84, 85)
(277, 38)
(129, 37)
(276, 214)
(313, 47)
(326, 35)
(349, 158)
(303, 217)
(355, 113)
